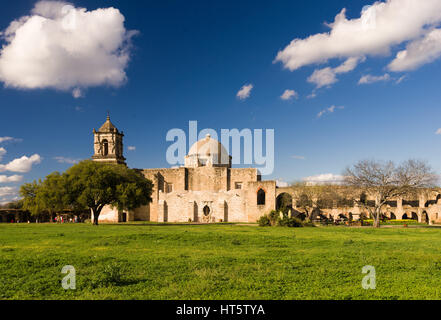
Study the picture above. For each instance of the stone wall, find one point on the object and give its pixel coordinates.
(208, 179)
(188, 206)
(255, 211)
(196, 188)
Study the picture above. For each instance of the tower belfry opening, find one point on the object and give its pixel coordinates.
(108, 144)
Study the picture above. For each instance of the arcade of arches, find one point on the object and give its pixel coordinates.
(427, 209)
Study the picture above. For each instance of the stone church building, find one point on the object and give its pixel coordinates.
(208, 189)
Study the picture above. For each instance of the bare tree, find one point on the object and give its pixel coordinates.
(313, 198)
(384, 181)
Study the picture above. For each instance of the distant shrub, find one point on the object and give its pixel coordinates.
(264, 221)
(291, 222)
(274, 217)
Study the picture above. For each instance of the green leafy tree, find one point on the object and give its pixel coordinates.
(31, 200)
(45, 197)
(95, 185)
(52, 194)
(88, 185)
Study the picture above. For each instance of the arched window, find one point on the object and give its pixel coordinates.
(363, 198)
(105, 148)
(261, 197)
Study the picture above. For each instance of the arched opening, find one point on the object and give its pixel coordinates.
(363, 198)
(261, 195)
(414, 216)
(393, 216)
(206, 211)
(284, 203)
(425, 218)
(225, 211)
(299, 215)
(195, 212)
(320, 217)
(341, 216)
(105, 148)
(203, 162)
(165, 212)
(405, 217)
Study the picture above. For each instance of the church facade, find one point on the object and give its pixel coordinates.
(207, 189)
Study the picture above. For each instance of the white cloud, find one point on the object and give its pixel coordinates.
(66, 48)
(2, 153)
(7, 191)
(324, 179)
(328, 76)
(245, 92)
(289, 94)
(367, 79)
(418, 52)
(438, 131)
(329, 110)
(281, 184)
(7, 195)
(77, 93)
(22, 165)
(66, 160)
(379, 28)
(312, 95)
(298, 157)
(349, 65)
(323, 77)
(401, 79)
(9, 179)
(9, 139)
(131, 148)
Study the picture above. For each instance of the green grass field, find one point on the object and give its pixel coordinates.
(218, 262)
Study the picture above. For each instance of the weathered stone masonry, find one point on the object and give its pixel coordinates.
(207, 189)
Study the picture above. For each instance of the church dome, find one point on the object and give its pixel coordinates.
(208, 152)
(207, 147)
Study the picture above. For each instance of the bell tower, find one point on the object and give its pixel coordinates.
(108, 144)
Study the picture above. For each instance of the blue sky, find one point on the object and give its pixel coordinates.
(188, 61)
